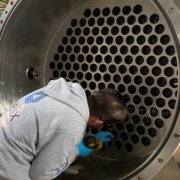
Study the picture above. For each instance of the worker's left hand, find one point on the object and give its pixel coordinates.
(105, 137)
(84, 151)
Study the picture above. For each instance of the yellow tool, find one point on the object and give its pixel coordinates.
(93, 142)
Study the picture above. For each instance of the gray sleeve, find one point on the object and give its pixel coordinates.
(55, 156)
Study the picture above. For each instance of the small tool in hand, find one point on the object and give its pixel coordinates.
(93, 142)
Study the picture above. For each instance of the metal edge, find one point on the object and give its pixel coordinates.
(7, 12)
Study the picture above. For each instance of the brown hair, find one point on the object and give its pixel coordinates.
(108, 105)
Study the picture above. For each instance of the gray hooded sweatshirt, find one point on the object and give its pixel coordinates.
(39, 133)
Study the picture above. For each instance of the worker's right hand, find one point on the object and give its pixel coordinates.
(105, 137)
(84, 151)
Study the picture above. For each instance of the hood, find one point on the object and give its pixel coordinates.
(71, 94)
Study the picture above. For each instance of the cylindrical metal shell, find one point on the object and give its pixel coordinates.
(131, 46)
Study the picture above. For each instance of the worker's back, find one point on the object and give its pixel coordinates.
(16, 151)
(41, 130)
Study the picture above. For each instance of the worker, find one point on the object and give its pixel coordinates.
(42, 133)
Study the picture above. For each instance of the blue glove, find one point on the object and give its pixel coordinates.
(84, 151)
(105, 137)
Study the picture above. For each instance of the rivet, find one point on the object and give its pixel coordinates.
(176, 135)
(32, 73)
(160, 160)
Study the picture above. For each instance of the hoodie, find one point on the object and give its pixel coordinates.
(40, 132)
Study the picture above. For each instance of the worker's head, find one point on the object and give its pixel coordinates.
(106, 107)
